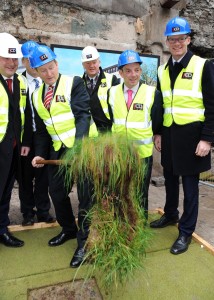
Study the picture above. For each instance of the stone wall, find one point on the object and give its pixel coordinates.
(113, 24)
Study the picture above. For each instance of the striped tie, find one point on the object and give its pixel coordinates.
(48, 96)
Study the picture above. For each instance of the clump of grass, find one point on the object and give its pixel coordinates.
(118, 237)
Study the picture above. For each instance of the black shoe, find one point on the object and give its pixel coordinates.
(10, 241)
(28, 221)
(163, 222)
(181, 244)
(62, 238)
(47, 219)
(78, 258)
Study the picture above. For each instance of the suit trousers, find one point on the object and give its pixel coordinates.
(147, 165)
(188, 220)
(6, 196)
(59, 192)
(33, 193)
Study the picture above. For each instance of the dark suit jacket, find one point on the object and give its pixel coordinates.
(102, 122)
(179, 142)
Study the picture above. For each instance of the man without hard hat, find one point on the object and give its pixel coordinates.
(15, 129)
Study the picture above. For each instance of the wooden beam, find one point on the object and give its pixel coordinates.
(13, 228)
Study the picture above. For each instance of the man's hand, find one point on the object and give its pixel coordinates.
(157, 142)
(25, 151)
(203, 148)
(34, 162)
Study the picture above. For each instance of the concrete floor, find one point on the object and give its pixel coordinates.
(205, 224)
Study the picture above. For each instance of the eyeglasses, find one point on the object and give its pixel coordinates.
(180, 40)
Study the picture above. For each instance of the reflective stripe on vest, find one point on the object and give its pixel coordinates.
(102, 95)
(188, 86)
(59, 121)
(4, 109)
(136, 124)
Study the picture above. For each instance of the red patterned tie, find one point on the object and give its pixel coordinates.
(129, 102)
(10, 84)
(48, 96)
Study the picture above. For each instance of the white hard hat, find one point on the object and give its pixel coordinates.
(89, 53)
(9, 46)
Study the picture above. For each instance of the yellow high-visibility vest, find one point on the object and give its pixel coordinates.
(184, 104)
(136, 123)
(102, 95)
(59, 121)
(4, 109)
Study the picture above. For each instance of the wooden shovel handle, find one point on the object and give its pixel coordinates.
(50, 162)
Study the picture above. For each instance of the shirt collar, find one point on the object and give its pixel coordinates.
(30, 78)
(134, 88)
(95, 78)
(184, 61)
(7, 77)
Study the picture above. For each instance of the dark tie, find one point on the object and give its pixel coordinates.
(48, 96)
(10, 85)
(91, 86)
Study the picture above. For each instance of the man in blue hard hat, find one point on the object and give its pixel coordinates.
(136, 110)
(62, 116)
(186, 82)
(33, 193)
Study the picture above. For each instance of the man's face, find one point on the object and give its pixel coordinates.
(26, 64)
(8, 66)
(131, 74)
(49, 72)
(92, 67)
(177, 45)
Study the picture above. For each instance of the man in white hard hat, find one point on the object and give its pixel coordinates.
(15, 137)
(97, 83)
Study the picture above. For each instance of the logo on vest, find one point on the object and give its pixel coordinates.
(138, 106)
(103, 84)
(23, 92)
(187, 75)
(176, 29)
(60, 98)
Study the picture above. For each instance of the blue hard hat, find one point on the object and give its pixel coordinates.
(177, 26)
(27, 47)
(40, 56)
(128, 57)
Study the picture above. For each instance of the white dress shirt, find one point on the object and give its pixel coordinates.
(31, 88)
(134, 90)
